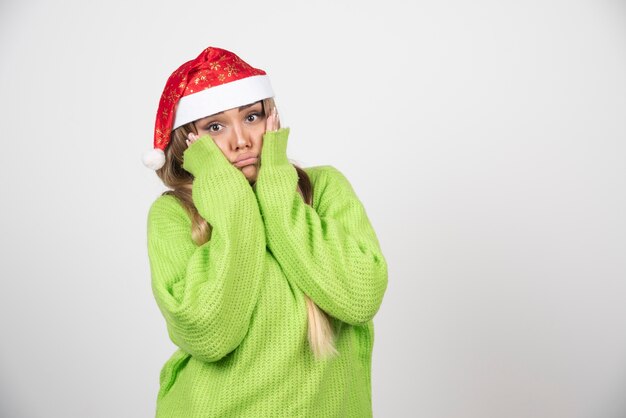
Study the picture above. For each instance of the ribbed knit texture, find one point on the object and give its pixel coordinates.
(235, 305)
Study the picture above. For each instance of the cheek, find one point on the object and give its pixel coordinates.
(222, 145)
(259, 133)
(258, 137)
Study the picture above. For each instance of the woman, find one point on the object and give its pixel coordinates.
(268, 275)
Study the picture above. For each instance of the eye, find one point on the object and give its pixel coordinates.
(214, 127)
(253, 117)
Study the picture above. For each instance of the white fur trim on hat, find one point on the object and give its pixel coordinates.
(223, 97)
(154, 159)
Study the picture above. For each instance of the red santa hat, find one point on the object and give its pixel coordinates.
(215, 81)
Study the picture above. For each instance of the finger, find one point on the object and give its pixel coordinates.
(269, 124)
(272, 121)
(192, 137)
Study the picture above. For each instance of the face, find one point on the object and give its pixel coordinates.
(238, 133)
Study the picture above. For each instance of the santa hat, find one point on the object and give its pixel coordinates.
(215, 81)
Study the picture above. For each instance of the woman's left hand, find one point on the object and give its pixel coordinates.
(273, 121)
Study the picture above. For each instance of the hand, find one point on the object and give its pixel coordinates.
(191, 138)
(273, 121)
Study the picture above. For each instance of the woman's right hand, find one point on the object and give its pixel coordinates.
(191, 138)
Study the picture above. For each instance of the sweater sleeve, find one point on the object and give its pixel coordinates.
(207, 293)
(332, 253)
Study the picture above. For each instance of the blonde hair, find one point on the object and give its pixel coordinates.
(320, 333)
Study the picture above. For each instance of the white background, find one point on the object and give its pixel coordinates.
(486, 140)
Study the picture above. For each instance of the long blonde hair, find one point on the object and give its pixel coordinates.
(320, 332)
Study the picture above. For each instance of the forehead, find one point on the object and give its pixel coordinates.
(239, 109)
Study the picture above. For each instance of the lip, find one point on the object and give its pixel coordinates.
(245, 159)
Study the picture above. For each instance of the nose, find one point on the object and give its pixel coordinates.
(242, 137)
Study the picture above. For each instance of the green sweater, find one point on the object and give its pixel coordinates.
(235, 306)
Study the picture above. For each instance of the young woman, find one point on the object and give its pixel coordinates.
(268, 275)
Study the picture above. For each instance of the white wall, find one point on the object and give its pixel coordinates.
(486, 140)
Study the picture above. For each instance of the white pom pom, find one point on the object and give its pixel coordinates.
(154, 159)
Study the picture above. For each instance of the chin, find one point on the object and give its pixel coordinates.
(250, 172)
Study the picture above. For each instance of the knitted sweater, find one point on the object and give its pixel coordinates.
(235, 306)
